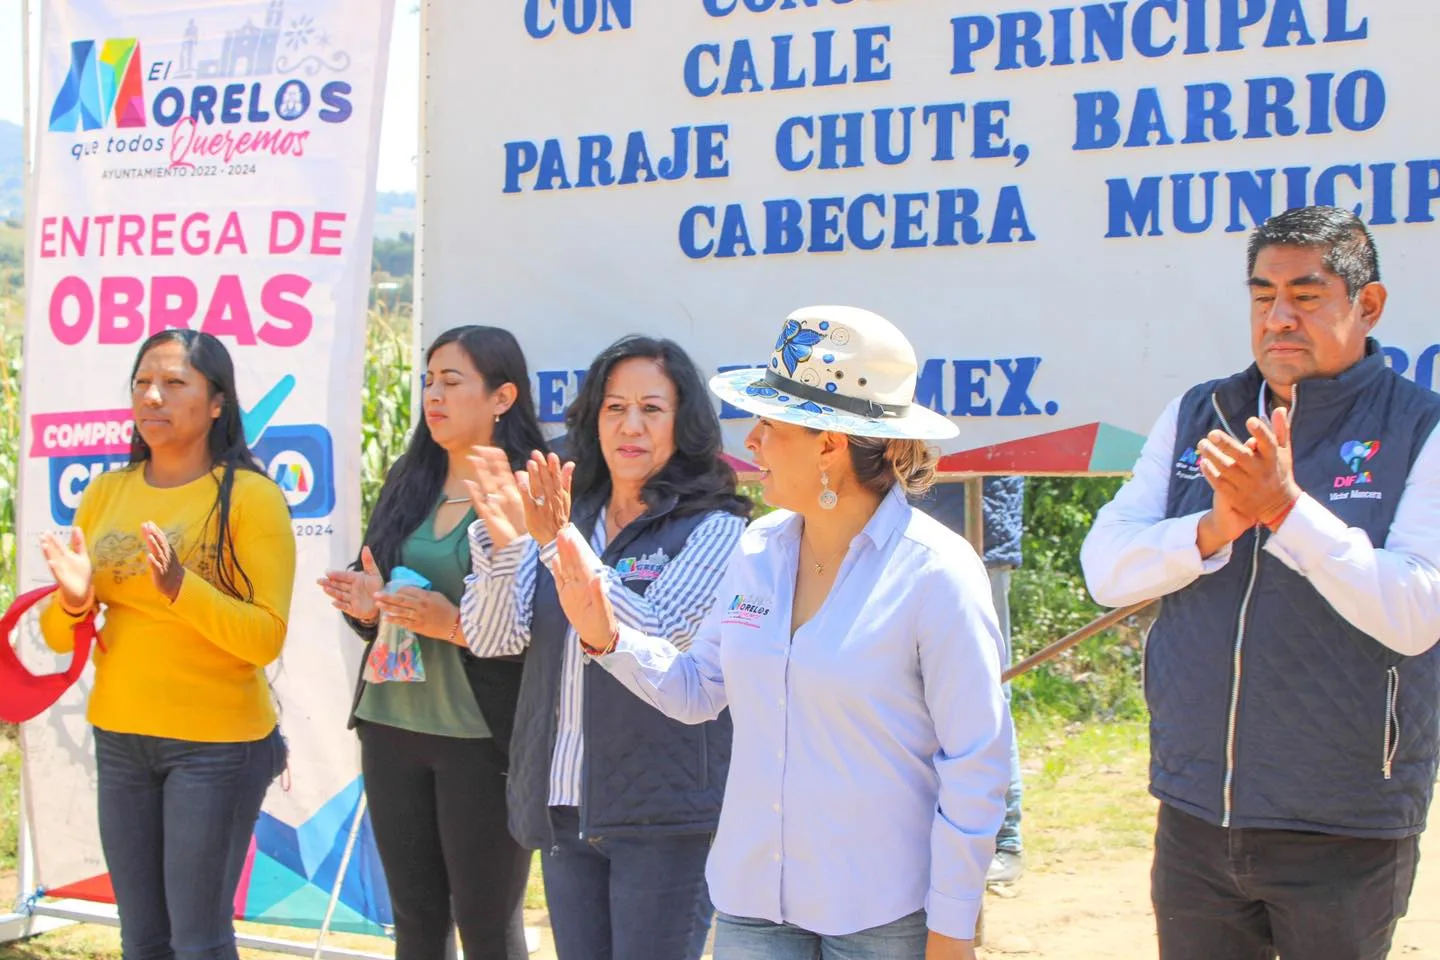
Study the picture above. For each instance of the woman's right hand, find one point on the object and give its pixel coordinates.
(546, 492)
(69, 563)
(352, 592)
(496, 496)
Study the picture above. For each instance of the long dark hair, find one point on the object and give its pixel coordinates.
(417, 478)
(695, 472)
(226, 444)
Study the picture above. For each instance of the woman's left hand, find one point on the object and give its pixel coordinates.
(166, 570)
(582, 594)
(940, 947)
(422, 612)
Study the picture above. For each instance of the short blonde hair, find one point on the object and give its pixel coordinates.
(880, 464)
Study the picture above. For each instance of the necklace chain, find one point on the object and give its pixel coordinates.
(820, 565)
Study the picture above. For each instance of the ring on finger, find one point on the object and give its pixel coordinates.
(538, 501)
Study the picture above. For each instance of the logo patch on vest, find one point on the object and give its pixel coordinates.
(746, 612)
(647, 567)
(1355, 454)
(1188, 466)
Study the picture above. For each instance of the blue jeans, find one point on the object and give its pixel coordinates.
(175, 823)
(1009, 837)
(740, 938)
(626, 898)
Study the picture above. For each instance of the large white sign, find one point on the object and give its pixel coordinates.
(210, 165)
(1051, 200)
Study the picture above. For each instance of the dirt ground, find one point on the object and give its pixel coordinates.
(1086, 895)
(1094, 909)
(1097, 910)
(1085, 909)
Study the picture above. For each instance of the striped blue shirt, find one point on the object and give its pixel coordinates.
(499, 600)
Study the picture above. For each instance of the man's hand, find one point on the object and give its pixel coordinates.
(1256, 478)
(1221, 526)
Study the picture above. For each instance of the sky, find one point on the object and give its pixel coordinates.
(399, 123)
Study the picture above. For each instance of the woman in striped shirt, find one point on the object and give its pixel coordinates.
(623, 800)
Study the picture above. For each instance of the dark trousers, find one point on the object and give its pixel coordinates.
(630, 898)
(437, 805)
(175, 823)
(1252, 894)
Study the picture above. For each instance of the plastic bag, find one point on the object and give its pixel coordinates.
(395, 655)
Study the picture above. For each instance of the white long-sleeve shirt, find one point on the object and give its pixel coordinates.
(869, 767)
(1134, 553)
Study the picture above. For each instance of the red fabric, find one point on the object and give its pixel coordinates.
(23, 695)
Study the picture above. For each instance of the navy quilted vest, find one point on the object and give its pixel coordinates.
(643, 773)
(1268, 709)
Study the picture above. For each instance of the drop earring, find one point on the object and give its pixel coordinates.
(828, 497)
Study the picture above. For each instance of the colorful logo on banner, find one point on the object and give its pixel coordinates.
(106, 79)
(100, 87)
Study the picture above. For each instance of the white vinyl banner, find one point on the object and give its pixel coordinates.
(210, 165)
(1051, 200)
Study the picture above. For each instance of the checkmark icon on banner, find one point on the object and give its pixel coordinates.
(258, 417)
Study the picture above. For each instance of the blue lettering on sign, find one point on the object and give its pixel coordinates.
(1268, 107)
(551, 389)
(1240, 200)
(946, 218)
(597, 161)
(711, 68)
(1096, 32)
(577, 17)
(1423, 372)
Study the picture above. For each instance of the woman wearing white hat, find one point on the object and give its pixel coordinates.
(855, 642)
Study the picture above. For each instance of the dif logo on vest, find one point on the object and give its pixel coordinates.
(1357, 453)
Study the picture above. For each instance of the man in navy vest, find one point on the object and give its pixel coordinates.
(1289, 516)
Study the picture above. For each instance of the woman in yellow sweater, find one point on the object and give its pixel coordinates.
(190, 552)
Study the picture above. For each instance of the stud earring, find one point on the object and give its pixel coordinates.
(828, 498)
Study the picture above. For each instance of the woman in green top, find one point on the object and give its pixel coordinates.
(433, 737)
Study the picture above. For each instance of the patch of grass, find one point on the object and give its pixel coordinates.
(535, 890)
(9, 801)
(1085, 789)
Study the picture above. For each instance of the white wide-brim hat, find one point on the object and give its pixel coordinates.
(838, 368)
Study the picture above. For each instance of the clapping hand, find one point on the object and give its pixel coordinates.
(70, 565)
(352, 592)
(425, 613)
(495, 492)
(546, 496)
(582, 593)
(1256, 478)
(166, 570)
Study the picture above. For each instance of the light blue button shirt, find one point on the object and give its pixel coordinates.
(872, 749)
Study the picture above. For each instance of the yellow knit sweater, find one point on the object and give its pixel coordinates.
(194, 669)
